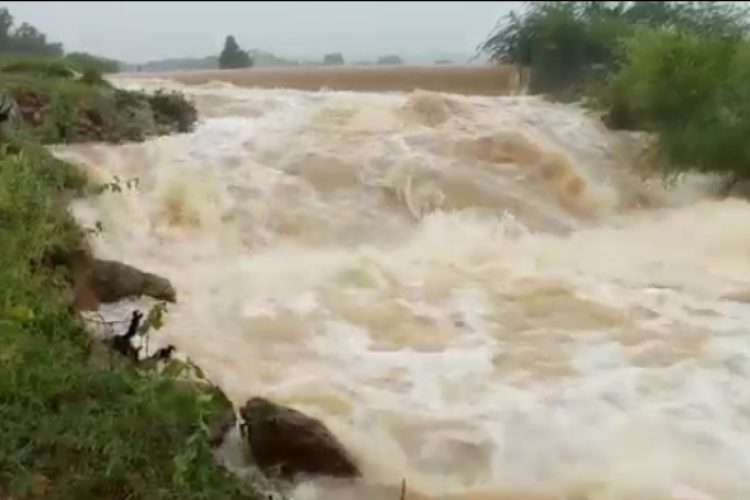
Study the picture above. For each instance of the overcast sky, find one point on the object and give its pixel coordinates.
(139, 31)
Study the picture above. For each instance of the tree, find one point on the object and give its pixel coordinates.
(24, 40)
(27, 40)
(565, 43)
(677, 70)
(335, 59)
(390, 60)
(26, 49)
(233, 57)
(6, 25)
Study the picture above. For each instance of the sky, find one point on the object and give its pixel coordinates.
(141, 31)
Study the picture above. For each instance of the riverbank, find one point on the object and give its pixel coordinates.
(77, 422)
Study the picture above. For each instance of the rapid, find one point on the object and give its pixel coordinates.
(477, 294)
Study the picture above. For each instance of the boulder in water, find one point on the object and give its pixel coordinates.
(287, 444)
(111, 281)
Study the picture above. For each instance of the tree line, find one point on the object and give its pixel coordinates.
(679, 70)
(24, 40)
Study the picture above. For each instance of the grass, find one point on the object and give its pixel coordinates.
(61, 105)
(71, 426)
(55, 66)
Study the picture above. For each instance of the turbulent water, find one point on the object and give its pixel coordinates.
(476, 294)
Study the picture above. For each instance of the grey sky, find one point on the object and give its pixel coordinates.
(139, 31)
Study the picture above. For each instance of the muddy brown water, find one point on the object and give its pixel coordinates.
(460, 79)
(473, 290)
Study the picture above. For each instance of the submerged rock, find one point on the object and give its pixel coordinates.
(287, 444)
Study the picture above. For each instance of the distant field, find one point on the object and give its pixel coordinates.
(476, 80)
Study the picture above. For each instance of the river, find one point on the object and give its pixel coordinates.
(477, 293)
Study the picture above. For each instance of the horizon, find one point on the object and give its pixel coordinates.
(358, 30)
(409, 58)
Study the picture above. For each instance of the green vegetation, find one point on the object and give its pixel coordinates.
(61, 105)
(74, 425)
(259, 58)
(675, 69)
(565, 43)
(77, 421)
(390, 60)
(25, 40)
(84, 61)
(333, 59)
(233, 57)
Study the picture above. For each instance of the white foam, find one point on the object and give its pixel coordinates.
(605, 357)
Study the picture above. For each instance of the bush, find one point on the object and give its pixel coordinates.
(173, 111)
(691, 90)
(568, 44)
(676, 69)
(94, 77)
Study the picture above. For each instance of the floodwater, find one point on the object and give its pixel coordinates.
(468, 80)
(477, 293)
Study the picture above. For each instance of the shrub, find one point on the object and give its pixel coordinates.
(172, 110)
(676, 69)
(567, 44)
(691, 90)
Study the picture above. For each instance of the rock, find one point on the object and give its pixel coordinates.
(111, 281)
(286, 443)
